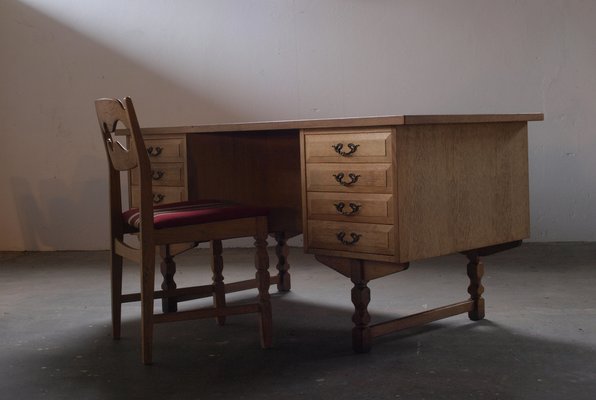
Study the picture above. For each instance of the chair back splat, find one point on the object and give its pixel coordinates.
(110, 112)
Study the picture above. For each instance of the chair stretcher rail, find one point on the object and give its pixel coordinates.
(198, 292)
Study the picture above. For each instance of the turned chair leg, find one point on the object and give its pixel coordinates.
(263, 282)
(116, 290)
(219, 291)
(168, 270)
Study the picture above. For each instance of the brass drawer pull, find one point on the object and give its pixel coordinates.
(158, 198)
(355, 238)
(339, 178)
(154, 151)
(157, 174)
(354, 208)
(338, 149)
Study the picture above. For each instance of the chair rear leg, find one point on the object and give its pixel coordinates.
(263, 282)
(219, 291)
(116, 292)
(168, 270)
(147, 294)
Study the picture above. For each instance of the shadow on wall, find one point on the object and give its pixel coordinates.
(60, 213)
(61, 197)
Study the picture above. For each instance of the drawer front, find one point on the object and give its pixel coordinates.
(366, 178)
(351, 237)
(163, 174)
(161, 195)
(353, 207)
(348, 146)
(166, 150)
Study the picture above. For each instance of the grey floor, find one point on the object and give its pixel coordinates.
(537, 342)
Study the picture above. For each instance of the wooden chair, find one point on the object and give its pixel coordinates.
(169, 228)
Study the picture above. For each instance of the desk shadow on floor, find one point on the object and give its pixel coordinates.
(312, 359)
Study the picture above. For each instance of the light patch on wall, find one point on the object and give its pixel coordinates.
(128, 32)
(223, 49)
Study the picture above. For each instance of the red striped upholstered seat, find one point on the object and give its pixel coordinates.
(193, 213)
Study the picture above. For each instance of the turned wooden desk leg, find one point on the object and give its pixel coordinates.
(475, 273)
(219, 291)
(263, 282)
(282, 250)
(168, 270)
(361, 335)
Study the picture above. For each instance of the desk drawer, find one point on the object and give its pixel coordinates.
(365, 145)
(353, 178)
(352, 207)
(166, 150)
(161, 195)
(163, 174)
(351, 237)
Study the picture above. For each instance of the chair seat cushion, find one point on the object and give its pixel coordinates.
(193, 213)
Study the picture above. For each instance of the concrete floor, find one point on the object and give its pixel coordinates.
(537, 341)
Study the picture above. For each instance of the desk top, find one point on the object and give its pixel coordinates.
(348, 122)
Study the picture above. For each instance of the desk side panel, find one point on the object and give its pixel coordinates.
(461, 187)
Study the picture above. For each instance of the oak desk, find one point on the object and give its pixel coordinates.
(369, 194)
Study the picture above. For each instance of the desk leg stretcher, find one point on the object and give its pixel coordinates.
(361, 272)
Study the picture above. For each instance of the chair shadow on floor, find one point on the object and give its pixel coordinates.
(311, 358)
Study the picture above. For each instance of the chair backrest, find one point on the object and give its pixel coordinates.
(110, 112)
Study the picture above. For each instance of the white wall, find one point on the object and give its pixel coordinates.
(187, 62)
